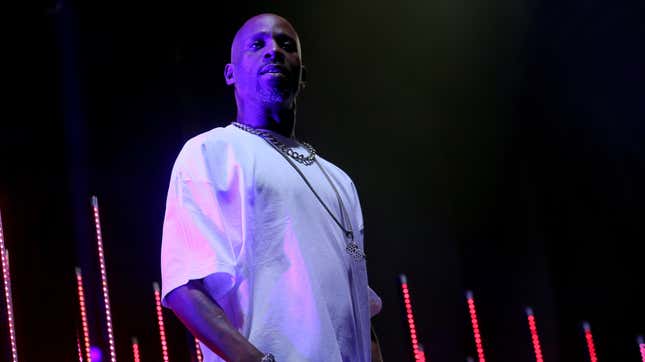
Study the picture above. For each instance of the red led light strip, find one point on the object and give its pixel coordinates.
(104, 282)
(135, 350)
(83, 311)
(475, 323)
(6, 278)
(641, 346)
(535, 339)
(198, 351)
(590, 345)
(162, 329)
(419, 355)
(79, 349)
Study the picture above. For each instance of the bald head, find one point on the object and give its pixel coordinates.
(261, 21)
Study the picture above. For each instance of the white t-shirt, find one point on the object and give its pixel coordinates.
(239, 216)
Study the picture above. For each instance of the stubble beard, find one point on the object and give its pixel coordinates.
(273, 95)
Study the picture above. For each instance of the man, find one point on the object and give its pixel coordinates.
(262, 252)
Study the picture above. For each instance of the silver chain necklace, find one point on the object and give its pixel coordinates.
(305, 160)
(352, 248)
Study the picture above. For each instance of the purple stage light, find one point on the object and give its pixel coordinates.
(96, 354)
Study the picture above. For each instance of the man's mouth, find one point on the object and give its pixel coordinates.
(274, 69)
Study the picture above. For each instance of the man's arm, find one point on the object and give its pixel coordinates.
(376, 347)
(206, 321)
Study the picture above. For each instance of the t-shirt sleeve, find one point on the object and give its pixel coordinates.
(375, 302)
(204, 224)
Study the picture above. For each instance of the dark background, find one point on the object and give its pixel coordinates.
(496, 145)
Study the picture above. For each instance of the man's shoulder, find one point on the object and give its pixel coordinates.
(224, 134)
(212, 141)
(336, 170)
(199, 146)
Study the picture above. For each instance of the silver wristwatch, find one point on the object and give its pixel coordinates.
(268, 358)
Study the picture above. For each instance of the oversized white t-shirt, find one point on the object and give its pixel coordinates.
(239, 216)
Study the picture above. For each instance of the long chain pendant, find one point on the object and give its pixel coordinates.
(355, 251)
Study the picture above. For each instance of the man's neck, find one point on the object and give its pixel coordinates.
(278, 119)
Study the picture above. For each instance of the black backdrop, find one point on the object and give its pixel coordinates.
(496, 146)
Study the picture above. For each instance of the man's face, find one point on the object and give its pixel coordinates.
(266, 64)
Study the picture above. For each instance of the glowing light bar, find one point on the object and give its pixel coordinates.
(83, 311)
(104, 282)
(590, 345)
(641, 346)
(419, 355)
(6, 279)
(162, 329)
(198, 351)
(535, 339)
(475, 323)
(79, 349)
(135, 350)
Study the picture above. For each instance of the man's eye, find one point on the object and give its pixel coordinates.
(256, 45)
(288, 45)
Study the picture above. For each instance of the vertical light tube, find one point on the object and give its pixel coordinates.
(198, 351)
(475, 323)
(162, 329)
(419, 355)
(83, 313)
(535, 337)
(136, 355)
(6, 279)
(591, 347)
(79, 350)
(104, 281)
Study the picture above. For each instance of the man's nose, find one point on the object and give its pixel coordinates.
(273, 52)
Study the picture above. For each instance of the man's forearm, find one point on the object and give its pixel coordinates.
(208, 322)
(376, 347)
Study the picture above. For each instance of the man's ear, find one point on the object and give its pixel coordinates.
(229, 74)
(304, 77)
